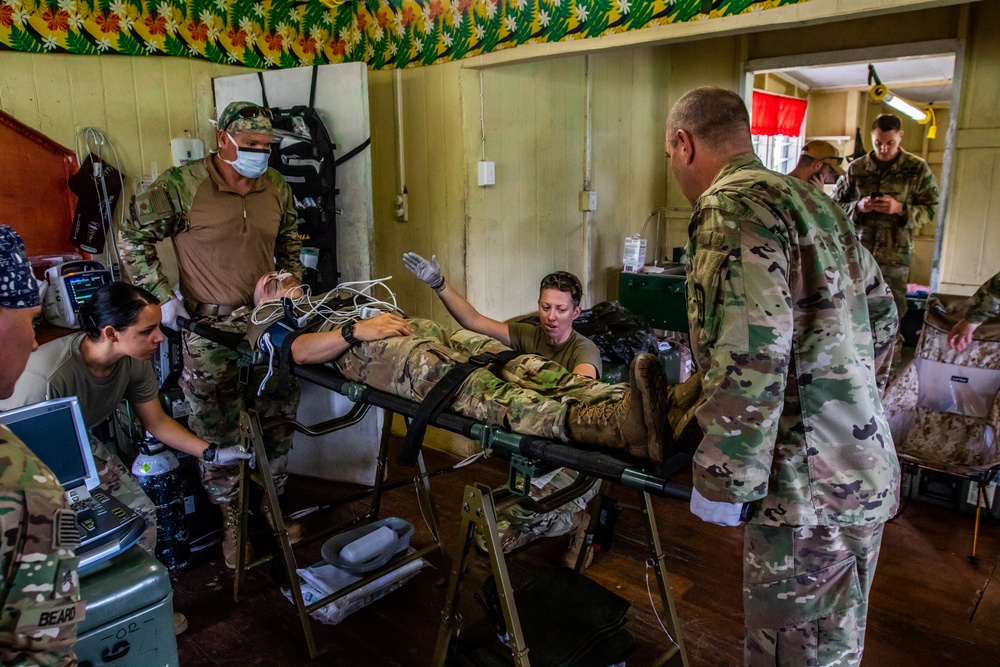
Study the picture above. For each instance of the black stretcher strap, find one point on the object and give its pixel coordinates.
(439, 397)
(227, 339)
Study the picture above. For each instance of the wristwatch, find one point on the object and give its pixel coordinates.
(209, 454)
(347, 331)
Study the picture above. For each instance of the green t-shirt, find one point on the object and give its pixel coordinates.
(56, 370)
(578, 349)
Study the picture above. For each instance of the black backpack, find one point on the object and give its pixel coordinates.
(304, 154)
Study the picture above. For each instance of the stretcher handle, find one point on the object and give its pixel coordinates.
(224, 338)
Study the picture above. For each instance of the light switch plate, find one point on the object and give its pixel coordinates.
(487, 173)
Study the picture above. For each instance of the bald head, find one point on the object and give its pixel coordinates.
(706, 128)
(717, 117)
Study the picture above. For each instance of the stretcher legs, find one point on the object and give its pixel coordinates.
(251, 432)
(479, 512)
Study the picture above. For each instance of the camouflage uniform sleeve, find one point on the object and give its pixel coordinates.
(985, 303)
(287, 247)
(882, 316)
(741, 312)
(154, 216)
(847, 195)
(922, 201)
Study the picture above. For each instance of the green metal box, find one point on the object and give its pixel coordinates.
(130, 614)
(659, 298)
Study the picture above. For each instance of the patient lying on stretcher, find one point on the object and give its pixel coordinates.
(530, 395)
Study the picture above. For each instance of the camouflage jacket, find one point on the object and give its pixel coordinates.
(39, 587)
(166, 210)
(787, 319)
(985, 303)
(909, 181)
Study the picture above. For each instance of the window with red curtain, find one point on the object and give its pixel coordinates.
(777, 115)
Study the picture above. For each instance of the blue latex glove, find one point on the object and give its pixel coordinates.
(721, 514)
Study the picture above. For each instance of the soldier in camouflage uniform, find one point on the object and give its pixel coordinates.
(788, 318)
(230, 219)
(983, 305)
(529, 394)
(889, 194)
(39, 598)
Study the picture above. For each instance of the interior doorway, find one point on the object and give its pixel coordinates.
(835, 87)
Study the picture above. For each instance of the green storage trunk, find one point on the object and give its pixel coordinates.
(130, 614)
(659, 298)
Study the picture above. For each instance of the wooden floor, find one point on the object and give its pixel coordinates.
(929, 606)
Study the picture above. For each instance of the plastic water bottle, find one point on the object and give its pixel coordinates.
(156, 468)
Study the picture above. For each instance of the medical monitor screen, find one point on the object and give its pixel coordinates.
(51, 431)
(81, 287)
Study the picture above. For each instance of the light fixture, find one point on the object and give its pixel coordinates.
(881, 93)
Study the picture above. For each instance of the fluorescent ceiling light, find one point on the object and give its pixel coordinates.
(904, 107)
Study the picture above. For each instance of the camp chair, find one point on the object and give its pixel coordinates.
(943, 408)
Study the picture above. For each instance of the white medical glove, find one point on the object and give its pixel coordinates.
(721, 514)
(170, 311)
(429, 272)
(227, 456)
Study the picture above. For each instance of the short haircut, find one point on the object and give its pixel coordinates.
(716, 116)
(564, 281)
(887, 122)
(806, 161)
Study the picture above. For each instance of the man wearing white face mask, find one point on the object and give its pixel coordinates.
(230, 219)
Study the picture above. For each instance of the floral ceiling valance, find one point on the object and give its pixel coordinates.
(285, 33)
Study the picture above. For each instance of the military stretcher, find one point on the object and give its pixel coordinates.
(527, 456)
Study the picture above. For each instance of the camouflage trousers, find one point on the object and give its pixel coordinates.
(805, 593)
(210, 382)
(897, 277)
(530, 395)
(118, 482)
(550, 524)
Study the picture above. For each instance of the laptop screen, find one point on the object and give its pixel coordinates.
(55, 432)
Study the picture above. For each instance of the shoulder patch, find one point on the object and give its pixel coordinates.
(152, 205)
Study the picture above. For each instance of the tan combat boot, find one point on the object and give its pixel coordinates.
(294, 528)
(685, 398)
(649, 380)
(578, 541)
(230, 521)
(617, 425)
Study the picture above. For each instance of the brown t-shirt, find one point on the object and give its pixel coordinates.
(56, 370)
(229, 242)
(577, 350)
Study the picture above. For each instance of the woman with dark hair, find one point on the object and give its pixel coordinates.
(107, 362)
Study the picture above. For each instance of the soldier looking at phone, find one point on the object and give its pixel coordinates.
(889, 194)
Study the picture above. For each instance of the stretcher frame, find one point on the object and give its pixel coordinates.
(479, 504)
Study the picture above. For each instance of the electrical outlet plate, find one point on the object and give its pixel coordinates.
(588, 200)
(487, 173)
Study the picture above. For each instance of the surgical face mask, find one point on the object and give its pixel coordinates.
(249, 162)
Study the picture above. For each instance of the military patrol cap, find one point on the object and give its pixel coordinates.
(825, 152)
(244, 118)
(18, 287)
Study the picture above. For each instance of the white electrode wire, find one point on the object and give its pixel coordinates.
(265, 344)
(305, 308)
(652, 604)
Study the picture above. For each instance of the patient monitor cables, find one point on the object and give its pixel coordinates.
(298, 305)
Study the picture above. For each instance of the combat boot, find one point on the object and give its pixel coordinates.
(578, 541)
(685, 399)
(648, 379)
(230, 521)
(614, 424)
(294, 528)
